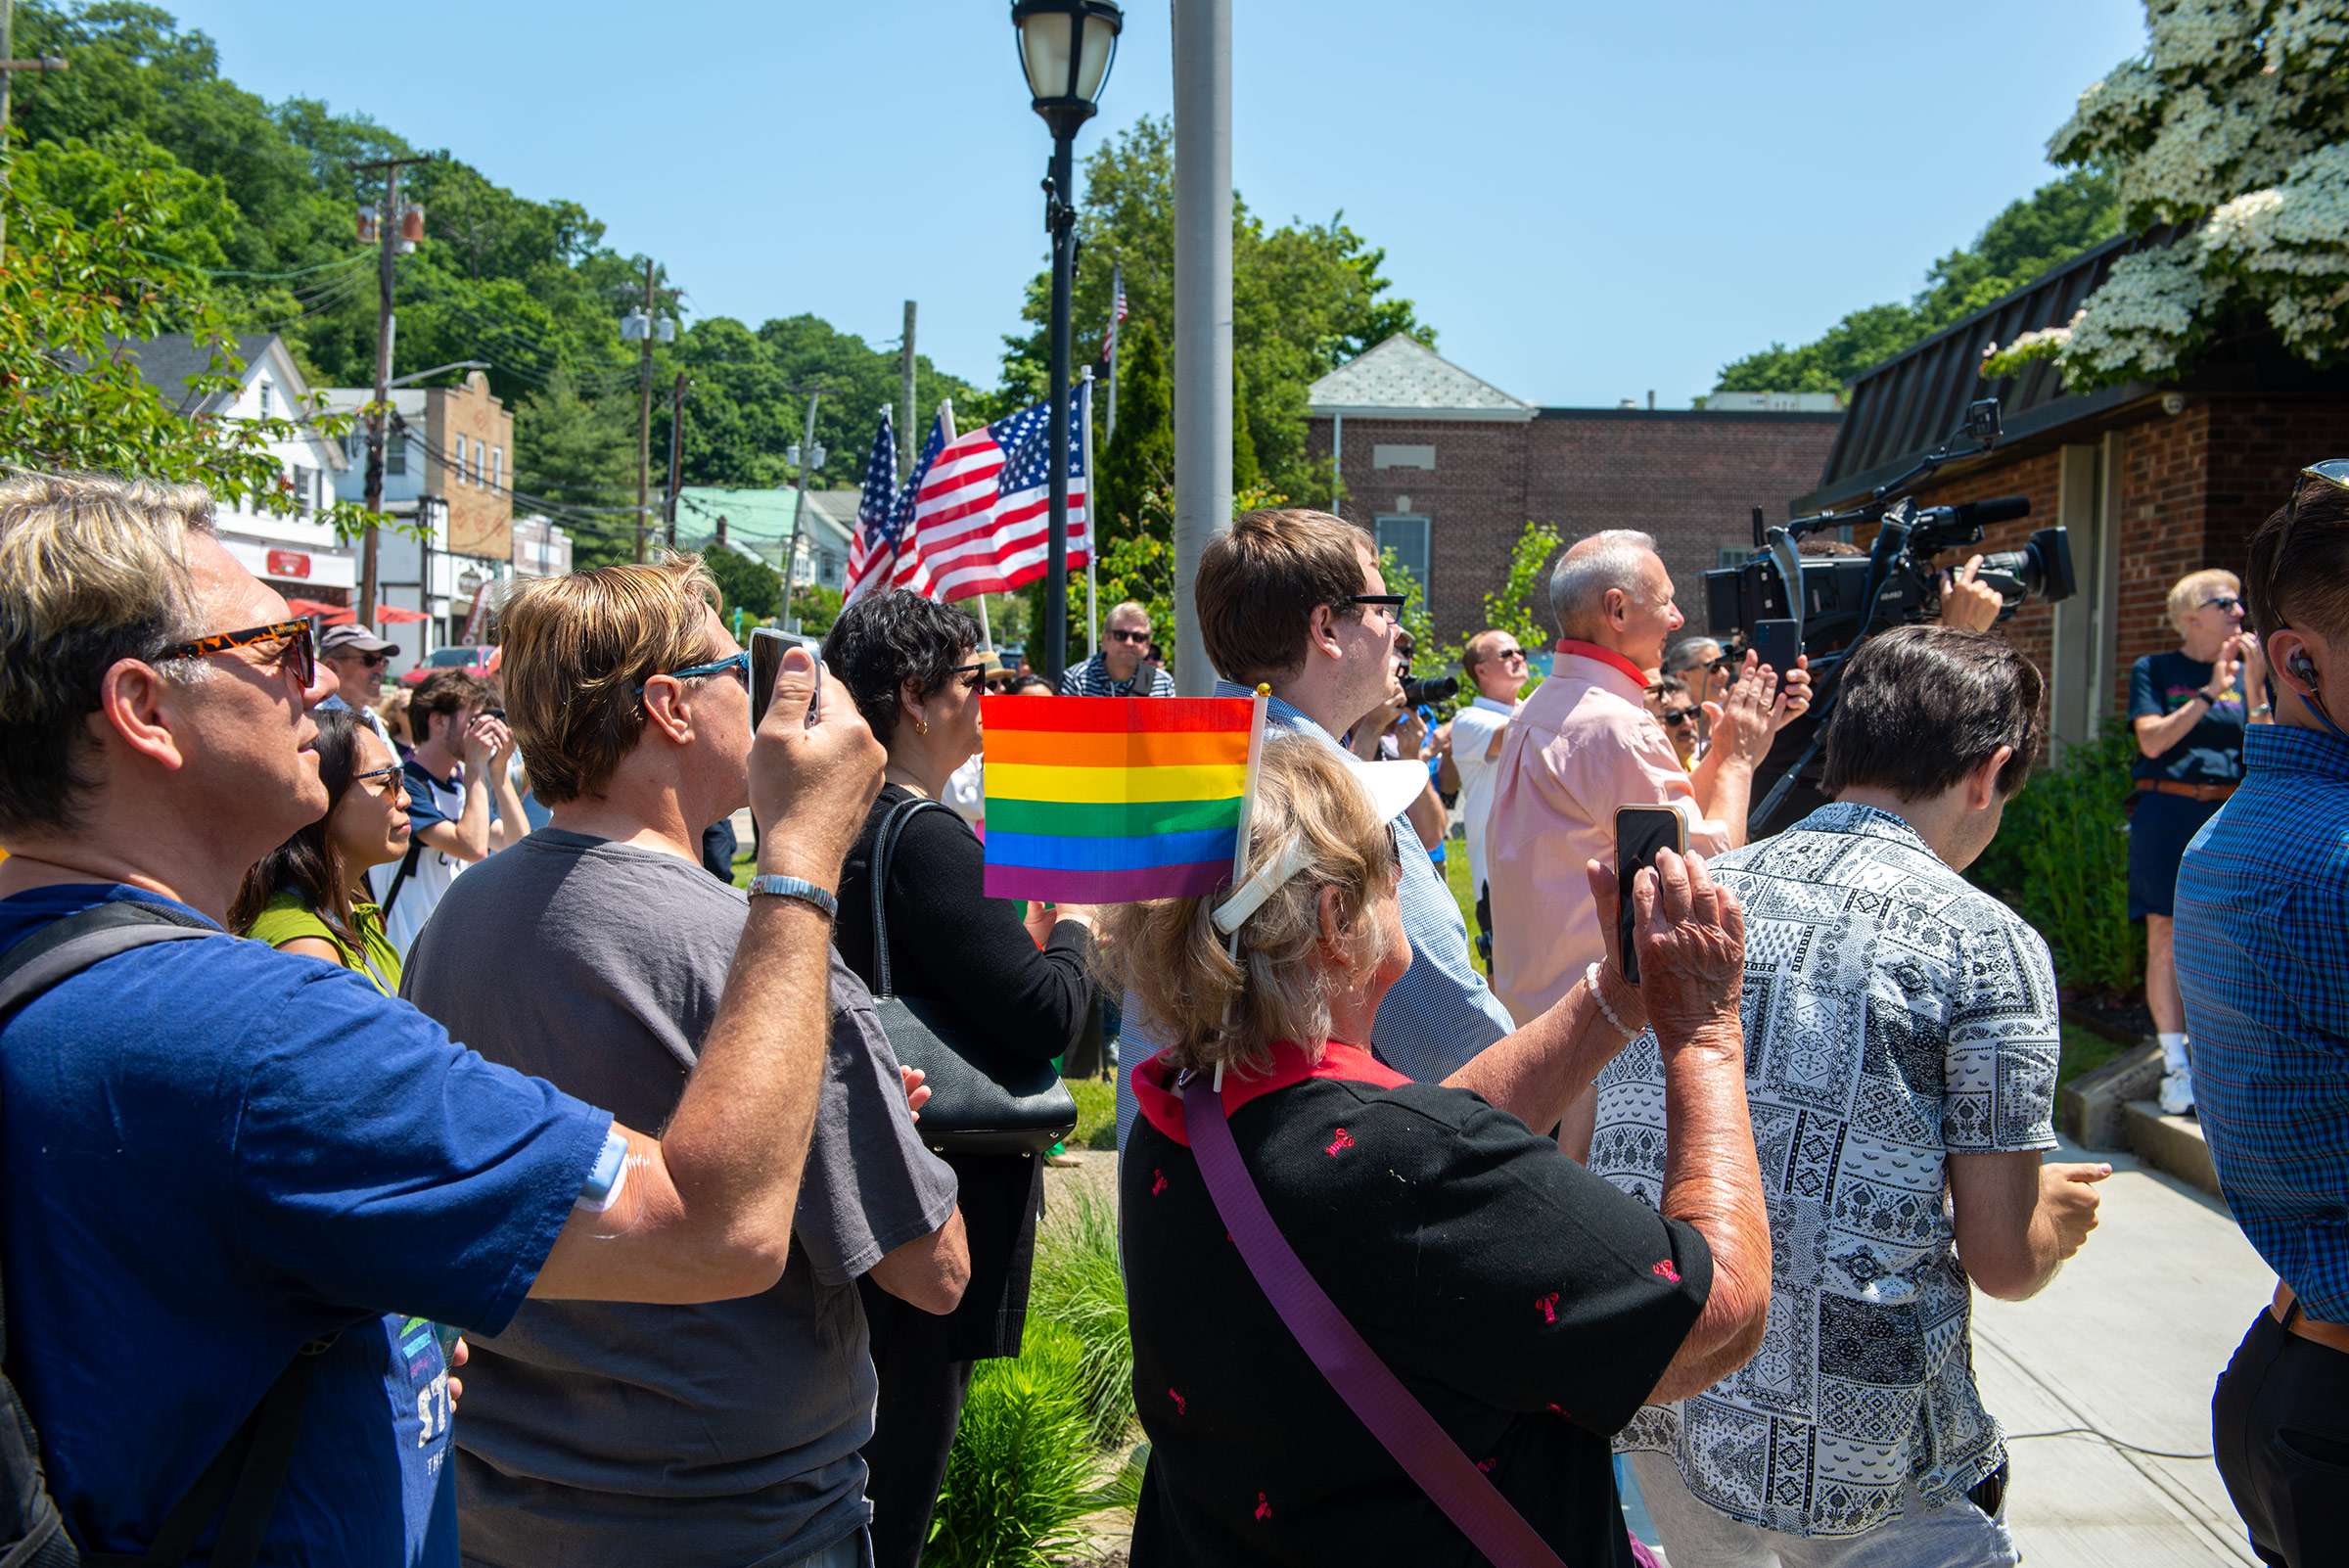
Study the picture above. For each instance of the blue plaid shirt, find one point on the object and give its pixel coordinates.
(2263, 959)
(1438, 1015)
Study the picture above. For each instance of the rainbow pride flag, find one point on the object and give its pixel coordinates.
(1112, 800)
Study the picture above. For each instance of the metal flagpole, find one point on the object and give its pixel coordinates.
(1093, 513)
(1202, 313)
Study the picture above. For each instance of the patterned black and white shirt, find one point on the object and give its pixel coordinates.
(1893, 1014)
(1091, 680)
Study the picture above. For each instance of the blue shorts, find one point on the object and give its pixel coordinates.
(2158, 831)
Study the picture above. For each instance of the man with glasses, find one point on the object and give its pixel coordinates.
(223, 1165)
(1674, 708)
(2262, 943)
(1117, 667)
(1496, 671)
(359, 658)
(1294, 600)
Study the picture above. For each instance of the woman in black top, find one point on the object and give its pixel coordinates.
(2188, 709)
(1527, 1304)
(911, 665)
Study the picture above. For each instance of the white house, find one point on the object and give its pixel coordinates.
(296, 554)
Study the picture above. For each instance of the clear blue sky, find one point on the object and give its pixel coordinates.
(1587, 201)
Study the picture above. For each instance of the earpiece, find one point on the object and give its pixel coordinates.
(2302, 666)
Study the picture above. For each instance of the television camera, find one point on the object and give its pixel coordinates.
(1836, 602)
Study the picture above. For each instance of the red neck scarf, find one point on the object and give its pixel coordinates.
(1605, 656)
(1159, 1101)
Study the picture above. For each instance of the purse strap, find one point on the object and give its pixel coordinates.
(884, 848)
(1400, 1422)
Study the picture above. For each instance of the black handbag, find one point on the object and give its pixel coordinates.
(983, 1098)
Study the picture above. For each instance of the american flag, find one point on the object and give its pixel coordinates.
(1117, 313)
(912, 573)
(872, 551)
(981, 509)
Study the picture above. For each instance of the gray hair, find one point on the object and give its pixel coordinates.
(1688, 652)
(1612, 558)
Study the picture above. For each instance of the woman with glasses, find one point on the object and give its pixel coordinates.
(2188, 707)
(914, 666)
(310, 894)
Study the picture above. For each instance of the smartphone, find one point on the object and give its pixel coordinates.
(1640, 832)
(1779, 644)
(768, 646)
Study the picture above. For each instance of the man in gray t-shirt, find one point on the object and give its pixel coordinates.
(718, 1436)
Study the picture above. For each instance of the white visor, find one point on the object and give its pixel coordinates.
(1391, 788)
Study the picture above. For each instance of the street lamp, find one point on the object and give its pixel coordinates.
(1065, 47)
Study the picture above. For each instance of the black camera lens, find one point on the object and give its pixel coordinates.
(1434, 689)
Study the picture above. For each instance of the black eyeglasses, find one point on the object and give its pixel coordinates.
(2226, 602)
(1126, 634)
(300, 647)
(972, 675)
(1511, 655)
(1390, 602)
(1680, 715)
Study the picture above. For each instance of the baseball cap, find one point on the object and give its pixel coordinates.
(339, 640)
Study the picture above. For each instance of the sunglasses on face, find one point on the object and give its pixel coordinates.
(299, 653)
(382, 780)
(1511, 656)
(739, 665)
(1680, 715)
(1389, 605)
(971, 674)
(2225, 603)
(373, 661)
(1126, 634)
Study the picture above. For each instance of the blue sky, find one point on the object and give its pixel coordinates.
(1587, 201)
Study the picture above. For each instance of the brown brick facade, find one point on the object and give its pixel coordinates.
(1691, 478)
(479, 491)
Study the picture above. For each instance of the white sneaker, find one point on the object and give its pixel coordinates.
(2178, 1093)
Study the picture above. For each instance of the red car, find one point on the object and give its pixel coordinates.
(474, 661)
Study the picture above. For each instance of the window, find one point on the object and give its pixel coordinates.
(497, 468)
(460, 462)
(264, 390)
(1407, 537)
(395, 454)
(1732, 555)
(306, 490)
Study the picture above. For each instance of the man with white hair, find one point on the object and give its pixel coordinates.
(1584, 744)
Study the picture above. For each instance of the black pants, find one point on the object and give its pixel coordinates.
(1484, 922)
(920, 1406)
(2280, 1423)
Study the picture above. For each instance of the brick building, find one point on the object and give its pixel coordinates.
(1448, 469)
(2152, 482)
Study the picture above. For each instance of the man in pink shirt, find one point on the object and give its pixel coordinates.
(1583, 744)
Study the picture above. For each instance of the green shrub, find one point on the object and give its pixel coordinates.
(1080, 1287)
(2061, 861)
(1022, 1459)
(1096, 1114)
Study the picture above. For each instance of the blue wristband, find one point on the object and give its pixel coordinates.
(603, 1181)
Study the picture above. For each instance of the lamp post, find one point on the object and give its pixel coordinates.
(1065, 48)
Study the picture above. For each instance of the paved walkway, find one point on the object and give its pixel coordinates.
(2127, 1340)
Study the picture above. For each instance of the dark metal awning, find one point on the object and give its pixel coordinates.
(1902, 408)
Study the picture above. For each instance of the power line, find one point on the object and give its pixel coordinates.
(266, 277)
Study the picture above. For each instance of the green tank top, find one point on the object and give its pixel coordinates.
(287, 916)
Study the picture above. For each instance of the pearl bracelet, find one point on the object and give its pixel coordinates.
(1598, 995)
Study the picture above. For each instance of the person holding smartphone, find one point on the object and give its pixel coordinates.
(459, 764)
(1901, 1037)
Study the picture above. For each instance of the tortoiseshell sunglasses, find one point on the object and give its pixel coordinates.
(301, 646)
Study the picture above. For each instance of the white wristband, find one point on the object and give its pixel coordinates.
(1599, 996)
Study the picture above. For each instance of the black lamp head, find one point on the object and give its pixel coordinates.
(1066, 47)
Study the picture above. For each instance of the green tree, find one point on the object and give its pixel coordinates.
(2055, 222)
(749, 585)
(572, 453)
(816, 607)
(1138, 461)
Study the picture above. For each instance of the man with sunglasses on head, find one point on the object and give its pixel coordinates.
(2262, 947)
(359, 658)
(223, 1166)
(1117, 667)
(1294, 600)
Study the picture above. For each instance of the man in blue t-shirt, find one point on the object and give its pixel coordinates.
(213, 1153)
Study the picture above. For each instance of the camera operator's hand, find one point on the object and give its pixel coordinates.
(1794, 693)
(485, 738)
(812, 785)
(1410, 736)
(1742, 722)
(1967, 604)
(1691, 939)
(2255, 668)
(1373, 724)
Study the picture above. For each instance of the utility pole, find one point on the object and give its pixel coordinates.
(907, 437)
(388, 229)
(644, 414)
(799, 509)
(676, 453)
(1202, 313)
(9, 66)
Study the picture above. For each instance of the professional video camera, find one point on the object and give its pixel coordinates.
(1896, 577)
(1828, 605)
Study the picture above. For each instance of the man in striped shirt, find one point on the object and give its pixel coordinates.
(1117, 667)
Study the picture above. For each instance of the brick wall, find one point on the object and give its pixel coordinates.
(1689, 478)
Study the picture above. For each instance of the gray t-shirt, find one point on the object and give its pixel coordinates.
(599, 1433)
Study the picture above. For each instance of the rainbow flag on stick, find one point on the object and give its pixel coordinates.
(1113, 800)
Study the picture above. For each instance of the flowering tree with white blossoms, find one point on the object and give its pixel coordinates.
(2235, 121)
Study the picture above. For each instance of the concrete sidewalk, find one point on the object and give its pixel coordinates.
(2128, 1341)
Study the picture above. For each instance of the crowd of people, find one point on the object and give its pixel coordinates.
(508, 1080)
